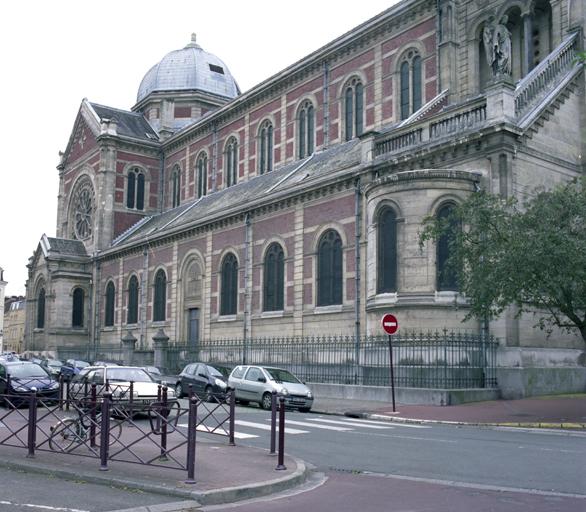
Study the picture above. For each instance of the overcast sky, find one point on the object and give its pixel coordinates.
(54, 53)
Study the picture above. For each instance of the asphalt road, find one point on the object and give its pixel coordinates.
(503, 458)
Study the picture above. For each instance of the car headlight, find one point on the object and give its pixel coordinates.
(284, 391)
(220, 383)
(21, 389)
(309, 395)
(55, 385)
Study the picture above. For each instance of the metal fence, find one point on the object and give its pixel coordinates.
(446, 360)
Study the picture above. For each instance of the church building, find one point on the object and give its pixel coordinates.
(294, 208)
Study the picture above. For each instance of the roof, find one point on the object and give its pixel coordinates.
(63, 247)
(274, 184)
(190, 68)
(129, 124)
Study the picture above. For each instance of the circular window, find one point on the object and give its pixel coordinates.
(83, 210)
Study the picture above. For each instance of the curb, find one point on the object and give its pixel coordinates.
(197, 498)
(532, 424)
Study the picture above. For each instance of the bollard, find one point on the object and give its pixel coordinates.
(190, 391)
(164, 413)
(131, 402)
(105, 432)
(232, 416)
(281, 459)
(273, 421)
(32, 423)
(191, 437)
(93, 407)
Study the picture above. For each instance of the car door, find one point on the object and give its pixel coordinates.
(201, 379)
(188, 377)
(252, 387)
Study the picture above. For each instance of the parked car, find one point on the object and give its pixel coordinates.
(256, 383)
(18, 378)
(53, 366)
(72, 367)
(145, 389)
(206, 381)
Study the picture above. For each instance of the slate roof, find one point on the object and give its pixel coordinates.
(130, 124)
(66, 247)
(229, 200)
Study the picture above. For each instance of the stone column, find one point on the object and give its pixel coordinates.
(161, 341)
(129, 344)
(527, 62)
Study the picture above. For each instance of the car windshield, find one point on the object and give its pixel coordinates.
(214, 372)
(282, 375)
(27, 371)
(128, 374)
(54, 363)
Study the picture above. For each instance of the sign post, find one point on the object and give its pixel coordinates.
(391, 326)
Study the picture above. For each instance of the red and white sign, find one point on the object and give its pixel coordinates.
(390, 323)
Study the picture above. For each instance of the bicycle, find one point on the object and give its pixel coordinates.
(69, 433)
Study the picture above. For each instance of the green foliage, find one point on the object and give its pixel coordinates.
(532, 256)
(580, 57)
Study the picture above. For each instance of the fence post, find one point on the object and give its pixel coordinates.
(67, 389)
(281, 459)
(164, 413)
(191, 436)
(32, 423)
(232, 415)
(273, 420)
(93, 407)
(60, 392)
(105, 432)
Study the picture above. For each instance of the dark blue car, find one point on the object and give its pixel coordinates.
(71, 368)
(19, 378)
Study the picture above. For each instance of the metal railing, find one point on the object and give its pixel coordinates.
(446, 360)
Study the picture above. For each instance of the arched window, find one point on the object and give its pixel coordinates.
(411, 84)
(354, 109)
(41, 309)
(110, 303)
(387, 251)
(446, 274)
(132, 311)
(135, 189)
(77, 313)
(231, 162)
(265, 158)
(160, 301)
(306, 129)
(229, 290)
(202, 175)
(274, 278)
(329, 269)
(176, 187)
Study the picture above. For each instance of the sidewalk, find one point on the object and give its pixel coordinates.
(558, 411)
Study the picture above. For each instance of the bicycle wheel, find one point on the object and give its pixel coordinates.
(65, 434)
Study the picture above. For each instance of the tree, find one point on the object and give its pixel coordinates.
(532, 256)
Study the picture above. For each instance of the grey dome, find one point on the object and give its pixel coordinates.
(190, 68)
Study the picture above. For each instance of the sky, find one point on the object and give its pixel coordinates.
(55, 53)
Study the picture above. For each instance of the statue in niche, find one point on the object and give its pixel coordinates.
(497, 45)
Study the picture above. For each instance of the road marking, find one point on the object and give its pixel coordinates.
(393, 423)
(205, 428)
(378, 427)
(313, 425)
(43, 507)
(268, 427)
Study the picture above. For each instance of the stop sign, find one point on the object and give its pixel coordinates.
(390, 323)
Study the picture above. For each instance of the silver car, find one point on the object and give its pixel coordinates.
(256, 383)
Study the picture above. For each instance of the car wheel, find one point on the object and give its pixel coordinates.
(179, 390)
(267, 401)
(209, 394)
(304, 409)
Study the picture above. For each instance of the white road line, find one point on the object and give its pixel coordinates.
(204, 428)
(314, 425)
(42, 507)
(268, 427)
(393, 423)
(349, 423)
